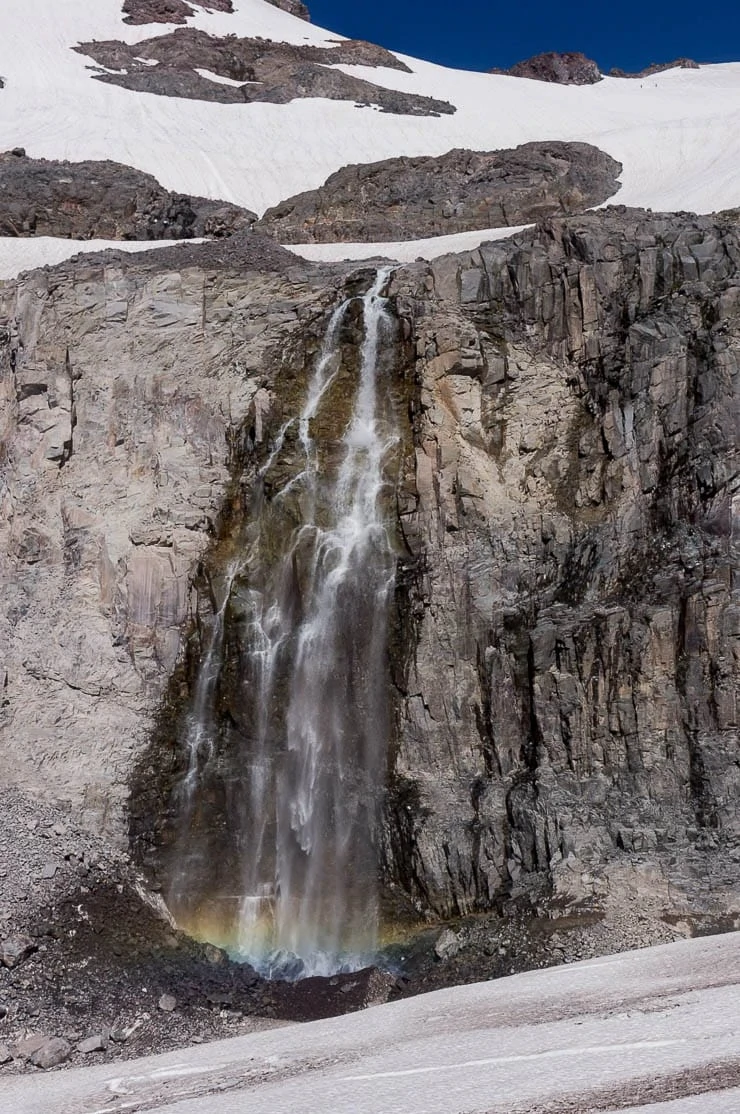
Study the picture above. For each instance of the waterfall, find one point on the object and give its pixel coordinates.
(310, 601)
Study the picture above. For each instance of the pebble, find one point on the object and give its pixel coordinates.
(167, 1003)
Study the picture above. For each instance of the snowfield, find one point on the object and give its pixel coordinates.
(646, 1032)
(405, 251)
(677, 133)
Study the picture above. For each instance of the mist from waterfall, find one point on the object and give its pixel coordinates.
(308, 597)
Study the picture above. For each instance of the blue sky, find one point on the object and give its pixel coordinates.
(479, 34)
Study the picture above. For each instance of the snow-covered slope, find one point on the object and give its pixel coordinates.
(677, 133)
(647, 1032)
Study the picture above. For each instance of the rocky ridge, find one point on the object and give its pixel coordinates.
(658, 67)
(104, 200)
(569, 68)
(407, 199)
(246, 71)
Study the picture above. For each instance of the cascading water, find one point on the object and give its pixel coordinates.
(309, 597)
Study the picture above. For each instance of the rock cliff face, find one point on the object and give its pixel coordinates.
(408, 199)
(564, 650)
(568, 705)
(121, 389)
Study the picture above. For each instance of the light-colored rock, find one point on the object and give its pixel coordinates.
(94, 1043)
(15, 950)
(97, 543)
(53, 1052)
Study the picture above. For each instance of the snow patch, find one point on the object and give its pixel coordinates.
(218, 80)
(19, 254)
(404, 251)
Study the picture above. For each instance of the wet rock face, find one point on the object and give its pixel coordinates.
(255, 70)
(406, 199)
(104, 200)
(570, 692)
(571, 68)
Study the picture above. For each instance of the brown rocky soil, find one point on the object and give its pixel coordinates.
(409, 198)
(91, 969)
(269, 71)
(104, 200)
(89, 957)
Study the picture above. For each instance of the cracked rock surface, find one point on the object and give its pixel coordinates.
(408, 199)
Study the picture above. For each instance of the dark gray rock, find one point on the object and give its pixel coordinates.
(271, 72)
(569, 691)
(406, 199)
(104, 200)
(657, 67)
(294, 7)
(570, 68)
(139, 12)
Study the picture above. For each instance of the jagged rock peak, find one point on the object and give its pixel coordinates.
(571, 68)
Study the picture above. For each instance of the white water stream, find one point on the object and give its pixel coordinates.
(313, 622)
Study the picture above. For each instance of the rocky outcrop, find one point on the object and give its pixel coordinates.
(293, 7)
(406, 199)
(253, 70)
(139, 12)
(571, 68)
(104, 200)
(567, 717)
